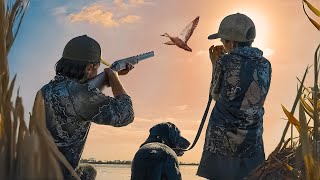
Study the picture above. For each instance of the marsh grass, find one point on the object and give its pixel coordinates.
(298, 157)
(25, 153)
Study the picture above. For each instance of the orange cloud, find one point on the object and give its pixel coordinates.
(97, 14)
(130, 3)
(129, 19)
(182, 107)
(201, 52)
(267, 52)
(137, 1)
(120, 3)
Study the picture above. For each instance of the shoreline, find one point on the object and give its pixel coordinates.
(129, 163)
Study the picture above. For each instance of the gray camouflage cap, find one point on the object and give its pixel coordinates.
(82, 48)
(236, 27)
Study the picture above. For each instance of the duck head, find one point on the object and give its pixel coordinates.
(165, 35)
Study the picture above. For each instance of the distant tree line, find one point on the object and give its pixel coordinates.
(94, 161)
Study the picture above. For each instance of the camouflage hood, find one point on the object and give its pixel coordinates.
(249, 52)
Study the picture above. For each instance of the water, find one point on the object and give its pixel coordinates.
(123, 172)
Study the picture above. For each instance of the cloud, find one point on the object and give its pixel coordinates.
(129, 19)
(196, 55)
(201, 52)
(267, 52)
(59, 10)
(182, 107)
(97, 14)
(120, 4)
(131, 3)
(136, 2)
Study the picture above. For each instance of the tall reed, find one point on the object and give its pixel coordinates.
(301, 159)
(25, 153)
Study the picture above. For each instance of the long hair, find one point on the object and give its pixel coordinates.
(72, 69)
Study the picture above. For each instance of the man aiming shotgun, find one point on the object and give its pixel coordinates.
(72, 104)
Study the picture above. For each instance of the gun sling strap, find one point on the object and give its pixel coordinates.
(204, 117)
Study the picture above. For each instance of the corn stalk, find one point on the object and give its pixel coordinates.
(300, 160)
(299, 93)
(312, 169)
(315, 107)
(24, 153)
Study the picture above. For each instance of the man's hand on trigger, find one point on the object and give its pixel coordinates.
(215, 52)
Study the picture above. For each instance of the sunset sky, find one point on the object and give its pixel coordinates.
(173, 86)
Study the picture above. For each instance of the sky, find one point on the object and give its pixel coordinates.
(173, 86)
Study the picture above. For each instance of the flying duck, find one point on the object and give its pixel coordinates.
(182, 39)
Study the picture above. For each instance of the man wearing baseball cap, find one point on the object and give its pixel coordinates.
(240, 83)
(72, 104)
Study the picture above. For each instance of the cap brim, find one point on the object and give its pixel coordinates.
(214, 36)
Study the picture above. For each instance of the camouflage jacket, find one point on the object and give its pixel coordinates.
(241, 81)
(72, 106)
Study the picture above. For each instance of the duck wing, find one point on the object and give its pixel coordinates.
(187, 32)
(169, 43)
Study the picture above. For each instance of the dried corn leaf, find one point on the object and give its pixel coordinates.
(312, 102)
(23, 155)
(312, 169)
(306, 106)
(37, 124)
(304, 87)
(311, 20)
(312, 8)
(1, 128)
(291, 118)
(314, 23)
(296, 173)
(3, 50)
(11, 86)
(307, 110)
(293, 109)
(312, 172)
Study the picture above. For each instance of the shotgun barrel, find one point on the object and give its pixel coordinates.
(100, 80)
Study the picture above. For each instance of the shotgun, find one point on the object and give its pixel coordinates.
(121, 64)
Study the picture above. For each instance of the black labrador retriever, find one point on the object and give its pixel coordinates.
(157, 157)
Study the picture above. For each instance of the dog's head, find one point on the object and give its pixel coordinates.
(168, 134)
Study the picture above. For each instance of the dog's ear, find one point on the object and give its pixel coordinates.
(159, 133)
(167, 132)
(176, 139)
(174, 134)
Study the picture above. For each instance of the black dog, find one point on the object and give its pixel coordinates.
(157, 157)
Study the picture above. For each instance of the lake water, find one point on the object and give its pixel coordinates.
(123, 172)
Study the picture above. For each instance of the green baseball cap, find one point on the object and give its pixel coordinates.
(82, 48)
(236, 27)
